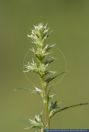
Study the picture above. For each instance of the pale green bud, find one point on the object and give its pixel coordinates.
(39, 34)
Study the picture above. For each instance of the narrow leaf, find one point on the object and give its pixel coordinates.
(68, 107)
(51, 77)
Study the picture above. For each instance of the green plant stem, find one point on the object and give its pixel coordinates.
(42, 130)
(49, 123)
(46, 105)
(47, 108)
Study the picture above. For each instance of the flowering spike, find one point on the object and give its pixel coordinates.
(39, 34)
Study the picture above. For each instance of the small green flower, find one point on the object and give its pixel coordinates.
(36, 122)
(38, 91)
(54, 106)
(39, 34)
(30, 67)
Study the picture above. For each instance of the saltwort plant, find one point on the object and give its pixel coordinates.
(40, 65)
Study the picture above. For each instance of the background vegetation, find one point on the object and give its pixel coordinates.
(69, 20)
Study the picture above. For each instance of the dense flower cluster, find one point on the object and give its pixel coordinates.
(39, 34)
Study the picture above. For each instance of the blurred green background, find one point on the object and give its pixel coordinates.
(69, 20)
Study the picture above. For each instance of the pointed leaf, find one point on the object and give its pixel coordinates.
(68, 107)
(52, 77)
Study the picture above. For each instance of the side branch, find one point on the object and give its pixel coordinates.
(68, 107)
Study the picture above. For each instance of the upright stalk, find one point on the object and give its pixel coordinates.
(46, 107)
(41, 51)
(45, 104)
